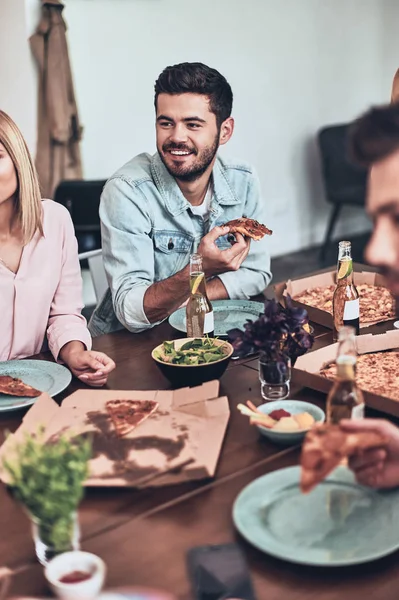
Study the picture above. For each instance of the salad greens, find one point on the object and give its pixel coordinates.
(195, 352)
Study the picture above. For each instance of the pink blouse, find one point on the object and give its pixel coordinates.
(43, 300)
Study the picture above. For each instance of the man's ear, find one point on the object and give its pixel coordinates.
(226, 131)
(395, 88)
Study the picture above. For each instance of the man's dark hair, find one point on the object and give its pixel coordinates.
(375, 135)
(197, 78)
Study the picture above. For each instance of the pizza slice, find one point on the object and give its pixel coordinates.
(126, 415)
(249, 228)
(324, 448)
(11, 386)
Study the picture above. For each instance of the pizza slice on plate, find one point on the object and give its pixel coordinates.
(11, 386)
(249, 228)
(324, 448)
(126, 415)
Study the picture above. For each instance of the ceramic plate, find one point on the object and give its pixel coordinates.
(228, 314)
(339, 523)
(41, 374)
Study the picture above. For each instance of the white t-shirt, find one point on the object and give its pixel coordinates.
(203, 209)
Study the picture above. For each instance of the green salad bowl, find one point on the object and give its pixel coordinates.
(181, 375)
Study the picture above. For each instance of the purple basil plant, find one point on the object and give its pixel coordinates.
(278, 333)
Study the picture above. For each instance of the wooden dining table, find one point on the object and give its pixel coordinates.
(144, 535)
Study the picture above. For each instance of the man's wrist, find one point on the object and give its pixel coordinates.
(216, 289)
(164, 297)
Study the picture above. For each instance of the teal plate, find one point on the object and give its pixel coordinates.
(339, 523)
(41, 374)
(228, 314)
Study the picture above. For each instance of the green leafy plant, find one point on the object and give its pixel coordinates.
(47, 478)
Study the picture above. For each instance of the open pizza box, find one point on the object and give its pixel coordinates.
(308, 366)
(181, 441)
(323, 317)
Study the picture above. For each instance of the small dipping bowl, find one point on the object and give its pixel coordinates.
(289, 438)
(74, 565)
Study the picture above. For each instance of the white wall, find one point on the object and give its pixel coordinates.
(17, 77)
(390, 47)
(294, 66)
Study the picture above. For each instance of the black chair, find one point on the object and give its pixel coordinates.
(344, 182)
(82, 199)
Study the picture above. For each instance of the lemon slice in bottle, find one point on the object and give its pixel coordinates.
(197, 283)
(345, 269)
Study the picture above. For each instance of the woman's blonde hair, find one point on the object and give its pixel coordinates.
(28, 196)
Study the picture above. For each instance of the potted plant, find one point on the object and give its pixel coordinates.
(47, 477)
(279, 335)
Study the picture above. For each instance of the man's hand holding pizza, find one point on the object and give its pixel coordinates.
(216, 261)
(377, 468)
(163, 297)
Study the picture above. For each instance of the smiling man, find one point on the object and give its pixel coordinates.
(375, 144)
(157, 210)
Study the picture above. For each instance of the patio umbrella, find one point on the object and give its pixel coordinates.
(59, 130)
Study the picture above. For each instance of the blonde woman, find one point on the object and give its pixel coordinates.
(40, 281)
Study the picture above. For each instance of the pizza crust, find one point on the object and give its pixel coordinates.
(126, 415)
(248, 228)
(12, 386)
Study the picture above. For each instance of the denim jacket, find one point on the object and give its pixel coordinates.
(148, 233)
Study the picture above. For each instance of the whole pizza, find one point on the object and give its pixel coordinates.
(376, 302)
(376, 372)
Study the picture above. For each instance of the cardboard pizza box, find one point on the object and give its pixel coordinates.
(322, 317)
(181, 441)
(307, 368)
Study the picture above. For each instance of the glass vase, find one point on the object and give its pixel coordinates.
(56, 537)
(274, 376)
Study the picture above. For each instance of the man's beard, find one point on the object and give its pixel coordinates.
(199, 166)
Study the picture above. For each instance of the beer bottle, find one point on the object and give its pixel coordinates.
(345, 400)
(199, 311)
(346, 309)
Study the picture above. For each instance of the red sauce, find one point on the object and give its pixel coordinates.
(75, 577)
(279, 414)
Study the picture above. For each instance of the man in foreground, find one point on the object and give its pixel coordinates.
(375, 144)
(157, 210)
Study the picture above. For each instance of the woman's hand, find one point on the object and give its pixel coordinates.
(377, 468)
(89, 366)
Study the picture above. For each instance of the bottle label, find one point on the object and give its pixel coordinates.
(209, 322)
(351, 310)
(358, 411)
